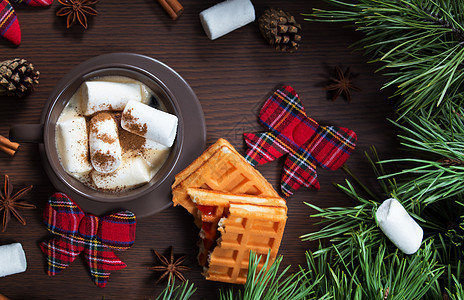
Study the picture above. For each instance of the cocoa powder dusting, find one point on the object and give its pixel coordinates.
(117, 117)
(132, 123)
(103, 159)
(103, 116)
(106, 138)
(128, 140)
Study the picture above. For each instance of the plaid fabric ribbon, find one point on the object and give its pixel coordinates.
(9, 25)
(307, 143)
(79, 232)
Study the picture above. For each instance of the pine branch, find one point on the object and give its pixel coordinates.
(420, 43)
(341, 222)
(181, 292)
(267, 283)
(445, 227)
(374, 272)
(446, 220)
(349, 228)
(437, 171)
(335, 283)
(457, 291)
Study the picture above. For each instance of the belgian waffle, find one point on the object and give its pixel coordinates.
(244, 223)
(219, 168)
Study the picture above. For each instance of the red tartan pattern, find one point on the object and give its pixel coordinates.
(9, 25)
(307, 143)
(88, 234)
(34, 2)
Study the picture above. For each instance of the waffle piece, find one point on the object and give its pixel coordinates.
(214, 205)
(243, 223)
(219, 168)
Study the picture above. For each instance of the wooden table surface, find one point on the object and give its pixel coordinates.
(231, 77)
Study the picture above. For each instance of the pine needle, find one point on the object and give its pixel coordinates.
(181, 292)
(420, 42)
(374, 272)
(436, 172)
(267, 283)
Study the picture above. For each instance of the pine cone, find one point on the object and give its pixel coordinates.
(280, 29)
(17, 77)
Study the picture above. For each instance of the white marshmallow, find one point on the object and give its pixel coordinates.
(105, 149)
(12, 259)
(103, 95)
(149, 122)
(73, 145)
(398, 226)
(155, 154)
(226, 16)
(134, 171)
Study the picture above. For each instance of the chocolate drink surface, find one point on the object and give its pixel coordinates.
(89, 136)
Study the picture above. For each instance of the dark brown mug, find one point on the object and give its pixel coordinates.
(141, 68)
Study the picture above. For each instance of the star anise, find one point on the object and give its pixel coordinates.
(9, 204)
(77, 10)
(342, 84)
(171, 267)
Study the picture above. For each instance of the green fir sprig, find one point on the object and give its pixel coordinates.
(341, 222)
(457, 291)
(182, 291)
(420, 43)
(374, 272)
(267, 283)
(434, 170)
(349, 228)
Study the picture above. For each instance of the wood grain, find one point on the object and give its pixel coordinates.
(232, 76)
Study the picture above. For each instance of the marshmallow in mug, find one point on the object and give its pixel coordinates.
(398, 226)
(104, 95)
(226, 16)
(105, 149)
(73, 145)
(133, 172)
(12, 259)
(155, 154)
(150, 123)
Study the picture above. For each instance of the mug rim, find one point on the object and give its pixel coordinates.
(76, 77)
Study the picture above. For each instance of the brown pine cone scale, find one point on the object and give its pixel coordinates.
(17, 77)
(280, 29)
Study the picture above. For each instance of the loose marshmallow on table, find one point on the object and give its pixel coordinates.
(72, 134)
(105, 149)
(398, 226)
(12, 259)
(134, 171)
(103, 95)
(226, 16)
(149, 122)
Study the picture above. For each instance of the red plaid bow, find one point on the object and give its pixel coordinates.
(294, 133)
(9, 25)
(86, 233)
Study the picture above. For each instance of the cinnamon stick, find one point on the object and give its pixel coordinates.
(3, 297)
(8, 146)
(172, 7)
